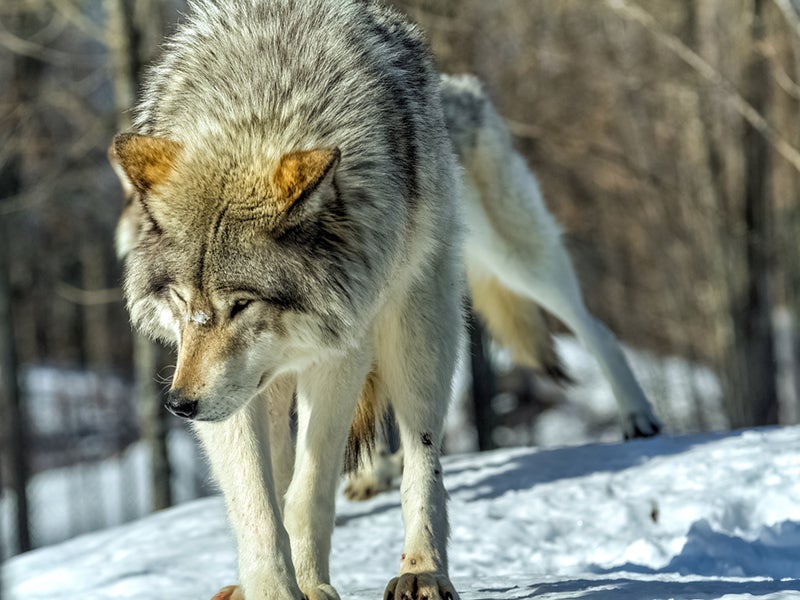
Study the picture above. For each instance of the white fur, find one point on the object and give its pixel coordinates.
(512, 236)
(241, 466)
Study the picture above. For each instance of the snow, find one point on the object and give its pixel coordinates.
(92, 495)
(701, 516)
(93, 408)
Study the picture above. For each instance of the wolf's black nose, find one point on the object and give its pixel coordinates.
(181, 406)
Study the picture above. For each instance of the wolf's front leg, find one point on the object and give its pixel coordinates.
(240, 463)
(326, 399)
(418, 351)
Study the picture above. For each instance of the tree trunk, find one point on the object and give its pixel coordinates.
(126, 64)
(759, 406)
(15, 422)
(96, 323)
(23, 89)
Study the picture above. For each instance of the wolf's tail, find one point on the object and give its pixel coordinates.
(370, 414)
(517, 324)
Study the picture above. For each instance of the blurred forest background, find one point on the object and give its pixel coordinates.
(665, 134)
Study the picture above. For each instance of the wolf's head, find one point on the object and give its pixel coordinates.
(242, 261)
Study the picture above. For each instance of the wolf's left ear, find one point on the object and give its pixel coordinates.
(300, 174)
(142, 162)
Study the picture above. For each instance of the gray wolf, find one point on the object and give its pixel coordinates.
(294, 229)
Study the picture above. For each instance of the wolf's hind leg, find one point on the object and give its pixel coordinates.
(557, 291)
(378, 469)
(551, 282)
(514, 238)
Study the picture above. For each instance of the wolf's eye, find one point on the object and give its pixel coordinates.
(239, 306)
(177, 297)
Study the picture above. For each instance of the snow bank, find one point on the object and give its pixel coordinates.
(707, 516)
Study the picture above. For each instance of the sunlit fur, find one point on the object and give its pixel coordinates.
(273, 286)
(280, 288)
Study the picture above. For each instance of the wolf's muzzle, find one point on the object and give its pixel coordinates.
(181, 406)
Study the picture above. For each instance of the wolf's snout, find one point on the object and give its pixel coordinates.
(181, 406)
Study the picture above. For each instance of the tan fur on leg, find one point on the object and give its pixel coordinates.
(516, 323)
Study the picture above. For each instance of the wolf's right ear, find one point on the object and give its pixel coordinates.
(300, 174)
(142, 162)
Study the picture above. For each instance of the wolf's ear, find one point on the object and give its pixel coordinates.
(299, 174)
(142, 162)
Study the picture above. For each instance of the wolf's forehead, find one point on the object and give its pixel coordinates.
(215, 208)
(238, 186)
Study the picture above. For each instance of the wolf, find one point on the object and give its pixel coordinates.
(299, 236)
(295, 230)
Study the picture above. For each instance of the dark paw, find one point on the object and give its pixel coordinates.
(640, 425)
(420, 586)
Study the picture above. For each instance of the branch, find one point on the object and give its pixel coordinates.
(24, 47)
(786, 83)
(779, 74)
(790, 14)
(74, 15)
(756, 120)
(70, 293)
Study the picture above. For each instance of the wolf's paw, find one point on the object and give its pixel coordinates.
(420, 586)
(363, 486)
(321, 592)
(232, 592)
(640, 425)
(376, 476)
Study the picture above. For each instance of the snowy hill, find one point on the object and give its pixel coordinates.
(690, 517)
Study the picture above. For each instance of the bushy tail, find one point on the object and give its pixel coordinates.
(370, 412)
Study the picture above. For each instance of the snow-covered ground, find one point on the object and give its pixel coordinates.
(706, 516)
(89, 496)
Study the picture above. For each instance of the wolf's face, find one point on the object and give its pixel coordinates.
(228, 264)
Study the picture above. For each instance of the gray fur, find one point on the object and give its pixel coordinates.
(362, 272)
(465, 106)
(261, 77)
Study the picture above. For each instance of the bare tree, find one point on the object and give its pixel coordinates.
(14, 420)
(125, 32)
(758, 404)
(25, 73)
